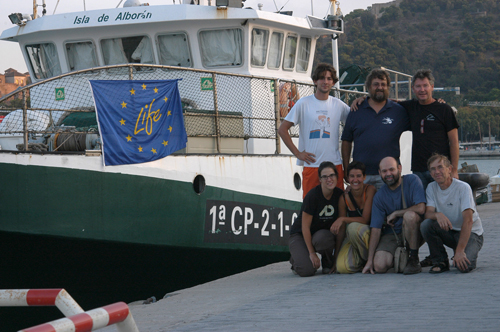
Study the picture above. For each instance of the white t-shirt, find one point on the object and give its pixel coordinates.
(452, 202)
(319, 122)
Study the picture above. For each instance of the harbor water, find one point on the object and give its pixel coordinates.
(489, 165)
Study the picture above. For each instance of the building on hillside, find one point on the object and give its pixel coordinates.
(12, 80)
(15, 77)
(377, 7)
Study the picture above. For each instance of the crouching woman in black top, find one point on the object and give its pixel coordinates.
(310, 234)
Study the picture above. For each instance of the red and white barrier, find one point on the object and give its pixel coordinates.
(40, 297)
(92, 320)
(77, 319)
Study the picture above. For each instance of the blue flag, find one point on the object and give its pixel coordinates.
(139, 121)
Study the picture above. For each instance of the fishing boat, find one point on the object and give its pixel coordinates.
(223, 204)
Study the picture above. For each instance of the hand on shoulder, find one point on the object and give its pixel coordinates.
(355, 104)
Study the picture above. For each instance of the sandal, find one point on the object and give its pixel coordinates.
(440, 267)
(426, 262)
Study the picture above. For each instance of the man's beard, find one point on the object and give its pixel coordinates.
(380, 97)
(393, 181)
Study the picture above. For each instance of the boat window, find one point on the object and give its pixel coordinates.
(275, 50)
(174, 50)
(303, 54)
(127, 50)
(290, 52)
(221, 47)
(260, 38)
(44, 60)
(81, 55)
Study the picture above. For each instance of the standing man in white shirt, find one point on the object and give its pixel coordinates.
(318, 117)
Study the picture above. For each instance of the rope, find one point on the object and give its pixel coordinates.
(70, 142)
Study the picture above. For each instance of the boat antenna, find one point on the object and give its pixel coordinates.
(329, 7)
(119, 3)
(84, 6)
(57, 4)
(312, 8)
(284, 6)
(274, 5)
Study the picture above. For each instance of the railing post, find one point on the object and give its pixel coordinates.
(409, 88)
(130, 72)
(25, 121)
(216, 109)
(397, 87)
(277, 112)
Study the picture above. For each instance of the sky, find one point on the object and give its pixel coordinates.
(11, 56)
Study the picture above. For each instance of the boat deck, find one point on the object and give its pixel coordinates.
(271, 298)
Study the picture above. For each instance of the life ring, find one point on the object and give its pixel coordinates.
(289, 95)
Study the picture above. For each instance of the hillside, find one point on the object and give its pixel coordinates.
(458, 39)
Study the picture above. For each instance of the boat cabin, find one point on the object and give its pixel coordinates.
(201, 36)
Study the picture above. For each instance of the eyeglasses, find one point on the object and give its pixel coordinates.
(331, 176)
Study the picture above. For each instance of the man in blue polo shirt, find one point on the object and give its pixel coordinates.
(390, 211)
(375, 128)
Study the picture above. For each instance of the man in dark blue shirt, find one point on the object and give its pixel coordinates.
(375, 128)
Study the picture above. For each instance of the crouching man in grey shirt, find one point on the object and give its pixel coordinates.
(451, 219)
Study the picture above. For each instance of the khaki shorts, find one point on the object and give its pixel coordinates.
(388, 243)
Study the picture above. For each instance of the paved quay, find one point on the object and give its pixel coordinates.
(271, 298)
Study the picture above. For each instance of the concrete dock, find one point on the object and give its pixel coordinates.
(271, 298)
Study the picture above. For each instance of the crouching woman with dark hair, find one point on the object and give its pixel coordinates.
(310, 234)
(353, 223)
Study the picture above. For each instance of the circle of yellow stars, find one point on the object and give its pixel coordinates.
(122, 121)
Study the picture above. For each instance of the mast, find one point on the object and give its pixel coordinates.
(335, 50)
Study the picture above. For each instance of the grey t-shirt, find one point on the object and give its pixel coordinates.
(452, 202)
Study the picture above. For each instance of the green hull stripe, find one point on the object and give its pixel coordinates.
(114, 207)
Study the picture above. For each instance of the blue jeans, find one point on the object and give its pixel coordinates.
(374, 180)
(425, 177)
(436, 238)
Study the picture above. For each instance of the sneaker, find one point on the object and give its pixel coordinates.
(413, 266)
(293, 270)
(326, 270)
(426, 261)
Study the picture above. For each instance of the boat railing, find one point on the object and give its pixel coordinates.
(399, 90)
(396, 88)
(222, 111)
